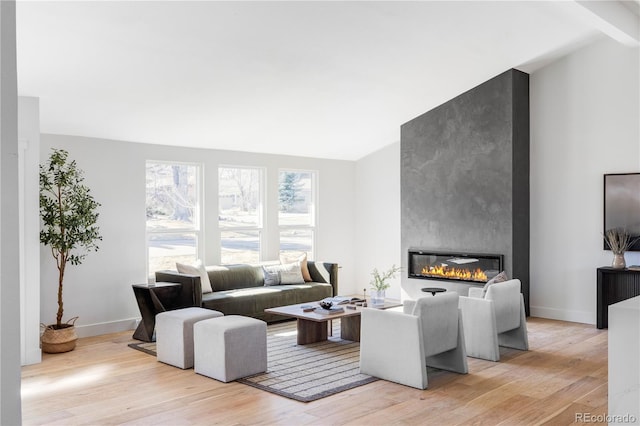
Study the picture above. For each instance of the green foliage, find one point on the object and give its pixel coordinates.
(288, 191)
(379, 281)
(69, 215)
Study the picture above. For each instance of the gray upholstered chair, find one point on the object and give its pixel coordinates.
(398, 346)
(497, 319)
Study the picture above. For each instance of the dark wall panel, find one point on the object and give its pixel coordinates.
(465, 174)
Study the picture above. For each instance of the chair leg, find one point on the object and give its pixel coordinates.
(518, 337)
(454, 360)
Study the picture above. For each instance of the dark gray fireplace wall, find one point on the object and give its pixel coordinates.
(465, 175)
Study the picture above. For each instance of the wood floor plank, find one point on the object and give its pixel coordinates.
(570, 416)
(499, 413)
(596, 398)
(104, 382)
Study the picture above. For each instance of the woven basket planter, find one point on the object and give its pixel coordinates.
(59, 340)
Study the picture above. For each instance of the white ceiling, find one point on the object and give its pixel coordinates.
(320, 79)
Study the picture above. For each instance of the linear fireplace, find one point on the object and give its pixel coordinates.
(433, 265)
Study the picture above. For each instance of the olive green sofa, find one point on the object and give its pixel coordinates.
(240, 290)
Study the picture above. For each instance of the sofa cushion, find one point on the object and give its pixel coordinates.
(253, 301)
(306, 292)
(231, 277)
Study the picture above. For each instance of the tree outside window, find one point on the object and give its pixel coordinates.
(173, 217)
(296, 212)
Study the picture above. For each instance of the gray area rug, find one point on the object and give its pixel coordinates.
(303, 372)
(309, 372)
(147, 348)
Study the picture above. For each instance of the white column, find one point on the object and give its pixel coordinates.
(29, 160)
(624, 362)
(10, 404)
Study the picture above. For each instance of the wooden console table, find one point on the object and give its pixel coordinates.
(153, 299)
(613, 286)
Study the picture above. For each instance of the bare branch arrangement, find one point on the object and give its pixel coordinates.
(379, 281)
(618, 240)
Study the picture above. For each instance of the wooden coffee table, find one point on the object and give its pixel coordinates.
(313, 327)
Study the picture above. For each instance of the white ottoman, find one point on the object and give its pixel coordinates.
(230, 347)
(174, 334)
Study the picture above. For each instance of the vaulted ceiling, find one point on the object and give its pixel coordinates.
(322, 79)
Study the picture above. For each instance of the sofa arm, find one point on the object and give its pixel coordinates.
(191, 290)
(324, 272)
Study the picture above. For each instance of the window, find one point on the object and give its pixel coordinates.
(240, 218)
(173, 216)
(296, 212)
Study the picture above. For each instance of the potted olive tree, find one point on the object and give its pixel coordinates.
(69, 215)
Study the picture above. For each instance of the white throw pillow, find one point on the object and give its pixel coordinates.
(288, 257)
(197, 269)
(291, 273)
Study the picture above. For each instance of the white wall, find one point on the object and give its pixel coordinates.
(378, 220)
(584, 123)
(99, 291)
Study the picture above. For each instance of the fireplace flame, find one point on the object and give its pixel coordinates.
(455, 273)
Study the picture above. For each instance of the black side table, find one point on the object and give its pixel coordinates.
(613, 286)
(153, 299)
(434, 290)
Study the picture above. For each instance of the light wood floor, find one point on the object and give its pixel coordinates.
(105, 382)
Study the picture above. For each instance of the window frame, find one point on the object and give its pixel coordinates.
(198, 227)
(261, 211)
(313, 225)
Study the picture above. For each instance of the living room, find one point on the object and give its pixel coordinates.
(584, 112)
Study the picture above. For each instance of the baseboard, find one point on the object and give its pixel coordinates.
(583, 317)
(33, 356)
(106, 327)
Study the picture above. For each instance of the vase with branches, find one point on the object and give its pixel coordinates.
(619, 241)
(69, 221)
(380, 283)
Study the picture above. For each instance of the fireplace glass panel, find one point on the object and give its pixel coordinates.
(478, 268)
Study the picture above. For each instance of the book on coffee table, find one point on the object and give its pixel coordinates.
(331, 310)
(342, 300)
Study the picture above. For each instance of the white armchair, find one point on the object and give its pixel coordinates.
(497, 319)
(398, 346)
